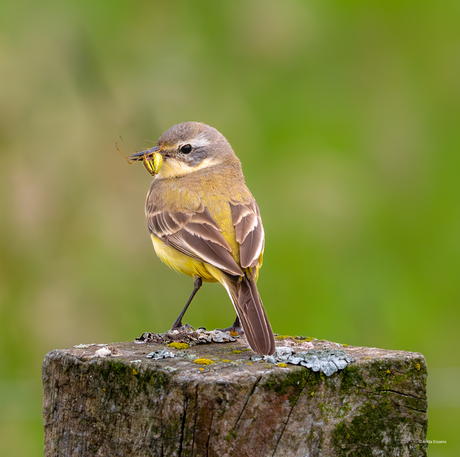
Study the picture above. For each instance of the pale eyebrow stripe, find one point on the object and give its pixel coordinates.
(200, 141)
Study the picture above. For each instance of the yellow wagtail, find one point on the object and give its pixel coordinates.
(205, 223)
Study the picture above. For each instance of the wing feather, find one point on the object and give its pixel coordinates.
(195, 234)
(249, 232)
(208, 233)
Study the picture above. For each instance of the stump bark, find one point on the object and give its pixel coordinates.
(213, 400)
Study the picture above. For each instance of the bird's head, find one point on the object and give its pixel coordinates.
(186, 148)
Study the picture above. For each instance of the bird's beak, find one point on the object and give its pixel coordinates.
(152, 159)
(144, 154)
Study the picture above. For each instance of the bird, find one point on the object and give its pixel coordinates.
(205, 223)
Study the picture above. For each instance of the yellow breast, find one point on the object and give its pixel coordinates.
(184, 264)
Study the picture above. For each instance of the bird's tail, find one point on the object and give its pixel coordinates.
(250, 310)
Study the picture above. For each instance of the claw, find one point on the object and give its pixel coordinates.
(181, 328)
(235, 329)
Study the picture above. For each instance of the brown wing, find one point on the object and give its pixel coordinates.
(195, 234)
(249, 233)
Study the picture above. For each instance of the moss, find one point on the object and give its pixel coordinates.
(169, 431)
(158, 379)
(374, 426)
(386, 374)
(334, 410)
(344, 410)
(287, 383)
(113, 369)
(351, 377)
(231, 434)
(129, 379)
(316, 378)
(280, 382)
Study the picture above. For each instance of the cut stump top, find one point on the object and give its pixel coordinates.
(213, 399)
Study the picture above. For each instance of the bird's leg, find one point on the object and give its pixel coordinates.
(235, 329)
(196, 285)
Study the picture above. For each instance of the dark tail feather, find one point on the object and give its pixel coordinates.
(250, 310)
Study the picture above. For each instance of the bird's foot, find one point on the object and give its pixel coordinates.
(179, 327)
(234, 330)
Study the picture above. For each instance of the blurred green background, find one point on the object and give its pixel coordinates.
(345, 115)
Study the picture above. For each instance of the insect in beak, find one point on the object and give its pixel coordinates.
(151, 158)
(153, 163)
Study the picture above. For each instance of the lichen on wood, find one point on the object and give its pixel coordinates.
(127, 404)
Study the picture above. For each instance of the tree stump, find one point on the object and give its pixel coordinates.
(214, 400)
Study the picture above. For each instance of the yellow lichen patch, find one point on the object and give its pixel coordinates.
(417, 365)
(225, 360)
(236, 351)
(134, 372)
(233, 333)
(246, 349)
(249, 363)
(203, 361)
(201, 369)
(345, 345)
(388, 372)
(103, 389)
(367, 357)
(282, 365)
(178, 345)
(298, 339)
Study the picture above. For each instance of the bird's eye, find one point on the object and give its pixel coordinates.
(186, 149)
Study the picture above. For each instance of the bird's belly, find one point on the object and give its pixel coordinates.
(183, 263)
